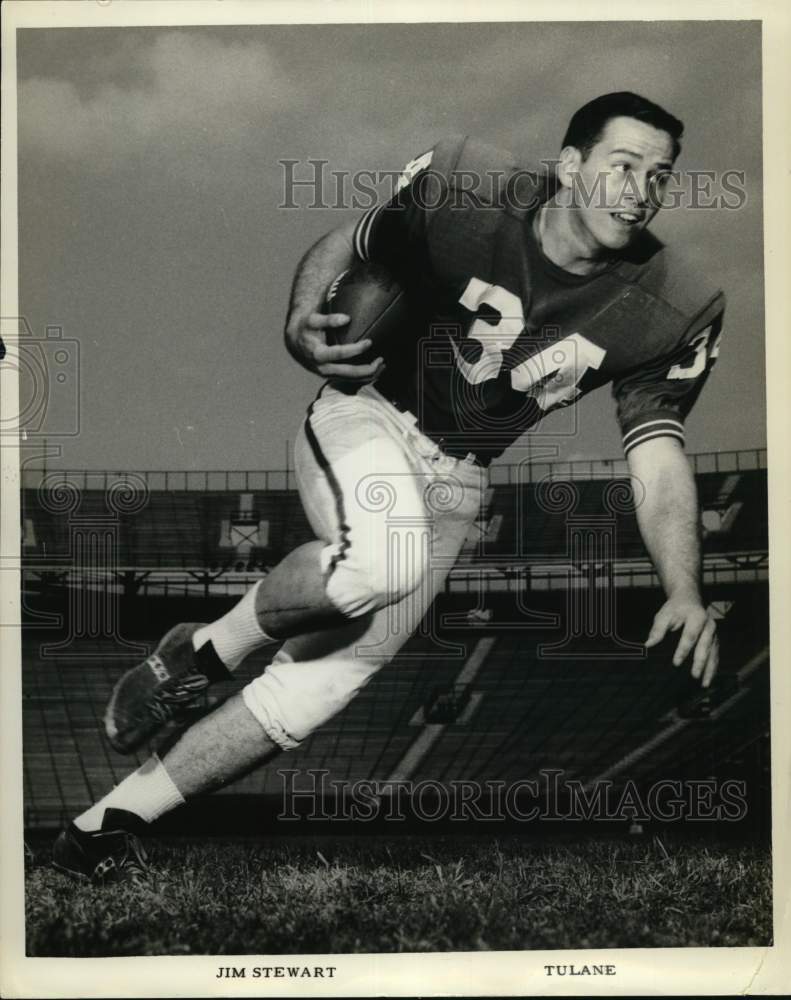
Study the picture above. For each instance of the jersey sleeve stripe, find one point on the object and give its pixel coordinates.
(362, 232)
(661, 422)
(358, 230)
(652, 429)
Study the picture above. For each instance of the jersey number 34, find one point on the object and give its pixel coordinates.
(552, 376)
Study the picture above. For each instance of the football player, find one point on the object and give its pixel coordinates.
(533, 289)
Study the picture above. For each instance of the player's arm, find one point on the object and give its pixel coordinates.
(306, 325)
(387, 232)
(668, 516)
(653, 402)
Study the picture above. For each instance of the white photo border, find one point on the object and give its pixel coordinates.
(683, 971)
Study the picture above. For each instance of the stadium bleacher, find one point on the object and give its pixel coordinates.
(601, 708)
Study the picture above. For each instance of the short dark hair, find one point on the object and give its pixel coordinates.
(586, 126)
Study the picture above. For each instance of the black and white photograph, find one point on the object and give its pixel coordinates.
(387, 478)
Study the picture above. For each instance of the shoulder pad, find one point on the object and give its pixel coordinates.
(675, 279)
(484, 174)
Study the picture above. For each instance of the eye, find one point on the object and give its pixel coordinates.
(622, 168)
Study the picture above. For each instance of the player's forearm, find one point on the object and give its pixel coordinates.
(332, 254)
(668, 516)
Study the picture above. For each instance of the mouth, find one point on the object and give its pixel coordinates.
(626, 219)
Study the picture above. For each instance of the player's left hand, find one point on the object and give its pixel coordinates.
(698, 632)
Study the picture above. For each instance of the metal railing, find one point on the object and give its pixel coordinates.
(487, 577)
(508, 474)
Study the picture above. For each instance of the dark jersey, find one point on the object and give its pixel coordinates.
(504, 335)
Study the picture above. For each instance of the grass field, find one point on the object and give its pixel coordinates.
(408, 893)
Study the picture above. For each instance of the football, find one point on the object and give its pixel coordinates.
(377, 306)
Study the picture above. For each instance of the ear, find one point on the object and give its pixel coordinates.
(569, 164)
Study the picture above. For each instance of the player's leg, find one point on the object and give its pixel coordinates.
(191, 656)
(312, 678)
(425, 506)
(315, 675)
(102, 844)
(296, 596)
(233, 738)
(294, 697)
(395, 523)
(292, 700)
(290, 599)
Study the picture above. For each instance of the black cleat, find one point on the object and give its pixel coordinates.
(171, 681)
(112, 854)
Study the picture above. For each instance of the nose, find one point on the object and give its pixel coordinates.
(637, 189)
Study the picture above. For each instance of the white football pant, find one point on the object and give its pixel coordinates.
(394, 512)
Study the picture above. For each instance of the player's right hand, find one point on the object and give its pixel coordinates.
(698, 633)
(306, 340)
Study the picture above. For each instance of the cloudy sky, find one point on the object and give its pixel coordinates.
(149, 187)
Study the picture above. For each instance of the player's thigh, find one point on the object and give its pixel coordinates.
(315, 675)
(343, 456)
(363, 497)
(374, 639)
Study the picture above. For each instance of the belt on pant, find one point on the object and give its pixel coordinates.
(446, 447)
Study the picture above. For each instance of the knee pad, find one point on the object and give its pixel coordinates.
(290, 700)
(361, 579)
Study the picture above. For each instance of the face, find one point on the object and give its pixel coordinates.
(615, 190)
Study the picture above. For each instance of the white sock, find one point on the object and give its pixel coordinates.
(236, 634)
(148, 792)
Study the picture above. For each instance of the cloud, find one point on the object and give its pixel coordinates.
(185, 87)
